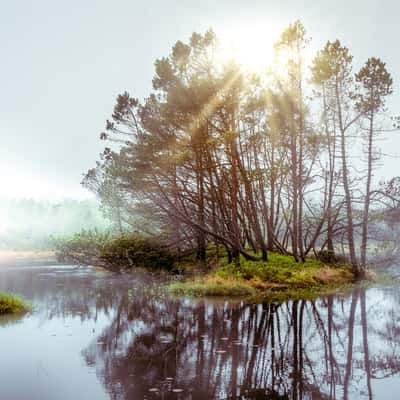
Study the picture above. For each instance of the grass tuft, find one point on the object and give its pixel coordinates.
(11, 304)
(213, 286)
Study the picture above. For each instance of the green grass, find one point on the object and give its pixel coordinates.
(213, 287)
(11, 304)
(284, 271)
(280, 278)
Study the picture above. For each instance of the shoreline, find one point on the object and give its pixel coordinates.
(26, 258)
(278, 279)
(198, 288)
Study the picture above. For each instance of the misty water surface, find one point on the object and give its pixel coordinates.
(95, 335)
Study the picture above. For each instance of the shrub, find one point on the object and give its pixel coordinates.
(129, 251)
(114, 253)
(82, 248)
(328, 257)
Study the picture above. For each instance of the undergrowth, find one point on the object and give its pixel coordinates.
(280, 278)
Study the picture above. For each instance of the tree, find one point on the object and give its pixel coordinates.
(375, 85)
(333, 69)
(217, 155)
(292, 43)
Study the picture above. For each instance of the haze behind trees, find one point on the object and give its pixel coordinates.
(28, 224)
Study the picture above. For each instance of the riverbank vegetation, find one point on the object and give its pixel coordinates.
(278, 278)
(115, 252)
(11, 304)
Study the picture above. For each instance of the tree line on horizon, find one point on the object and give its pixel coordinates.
(29, 224)
(252, 162)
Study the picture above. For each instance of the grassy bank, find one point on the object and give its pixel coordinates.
(10, 304)
(280, 278)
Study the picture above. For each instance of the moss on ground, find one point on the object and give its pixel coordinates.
(280, 278)
(10, 304)
(213, 286)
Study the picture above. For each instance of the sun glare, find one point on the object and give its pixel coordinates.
(250, 46)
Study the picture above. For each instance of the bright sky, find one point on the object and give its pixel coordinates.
(64, 62)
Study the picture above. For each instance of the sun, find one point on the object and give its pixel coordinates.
(251, 46)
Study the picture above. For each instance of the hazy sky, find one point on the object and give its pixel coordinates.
(63, 63)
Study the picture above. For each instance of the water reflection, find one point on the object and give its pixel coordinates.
(171, 349)
(144, 344)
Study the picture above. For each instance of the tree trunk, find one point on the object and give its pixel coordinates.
(364, 232)
(346, 186)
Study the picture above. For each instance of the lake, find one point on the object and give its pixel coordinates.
(97, 335)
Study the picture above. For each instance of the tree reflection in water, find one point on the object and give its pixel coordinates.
(158, 347)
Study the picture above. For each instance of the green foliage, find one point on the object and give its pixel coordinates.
(10, 304)
(279, 268)
(215, 252)
(130, 251)
(114, 252)
(213, 287)
(84, 247)
(376, 83)
(332, 60)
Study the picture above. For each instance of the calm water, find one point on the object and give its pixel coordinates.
(100, 336)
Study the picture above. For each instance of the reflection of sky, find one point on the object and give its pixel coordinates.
(43, 359)
(42, 353)
(388, 388)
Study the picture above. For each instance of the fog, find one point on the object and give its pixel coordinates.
(27, 224)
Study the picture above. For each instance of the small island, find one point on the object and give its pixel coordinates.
(278, 278)
(257, 166)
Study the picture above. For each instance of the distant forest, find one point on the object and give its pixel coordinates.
(27, 224)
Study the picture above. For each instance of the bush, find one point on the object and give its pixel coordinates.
(328, 257)
(83, 248)
(114, 253)
(129, 251)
